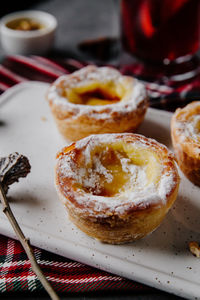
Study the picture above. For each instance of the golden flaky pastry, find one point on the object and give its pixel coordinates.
(116, 187)
(96, 100)
(185, 131)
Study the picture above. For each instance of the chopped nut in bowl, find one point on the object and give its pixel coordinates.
(25, 24)
(27, 32)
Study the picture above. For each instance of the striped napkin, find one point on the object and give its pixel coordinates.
(168, 87)
(66, 275)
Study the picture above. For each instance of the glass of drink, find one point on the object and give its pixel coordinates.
(160, 31)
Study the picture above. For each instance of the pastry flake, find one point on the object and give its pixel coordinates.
(194, 248)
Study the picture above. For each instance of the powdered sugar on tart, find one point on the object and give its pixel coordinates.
(107, 174)
(186, 125)
(58, 94)
(185, 133)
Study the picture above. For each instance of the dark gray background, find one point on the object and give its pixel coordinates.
(78, 20)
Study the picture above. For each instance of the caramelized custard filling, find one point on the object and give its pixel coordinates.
(95, 94)
(24, 24)
(197, 126)
(115, 169)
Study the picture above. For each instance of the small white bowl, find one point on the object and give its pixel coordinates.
(31, 41)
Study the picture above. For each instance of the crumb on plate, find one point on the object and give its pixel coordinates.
(194, 248)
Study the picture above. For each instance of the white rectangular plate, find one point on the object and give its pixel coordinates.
(161, 260)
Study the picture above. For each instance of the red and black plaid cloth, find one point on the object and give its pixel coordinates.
(65, 275)
(169, 86)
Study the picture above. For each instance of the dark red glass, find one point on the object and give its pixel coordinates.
(155, 30)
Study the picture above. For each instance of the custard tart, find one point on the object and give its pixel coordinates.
(117, 188)
(185, 131)
(96, 100)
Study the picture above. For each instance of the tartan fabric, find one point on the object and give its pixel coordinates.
(167, 88)
(66, 275)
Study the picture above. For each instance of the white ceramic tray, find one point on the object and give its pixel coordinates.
(161, 260)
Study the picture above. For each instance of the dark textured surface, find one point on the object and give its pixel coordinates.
(111, 296)
(80, 20)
